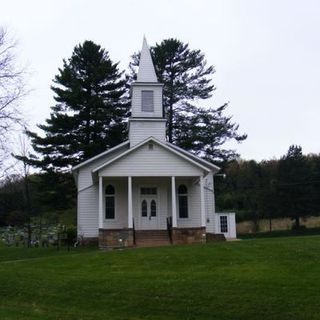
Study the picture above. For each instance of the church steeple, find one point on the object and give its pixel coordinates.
(146, 71)
(146, 91)
(147, 114)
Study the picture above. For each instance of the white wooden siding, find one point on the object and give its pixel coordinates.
(88, 222)
(194, 216)
(121, 204)
(136, 103)
(191, 156)
(143, 129)
(88, 212)
(231, 223)
(210, 204)
(156, 162)
(87, 200)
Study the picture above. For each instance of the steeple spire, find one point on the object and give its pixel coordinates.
(146, 71)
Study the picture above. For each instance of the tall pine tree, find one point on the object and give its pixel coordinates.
(294, 187)
(187, 79)
(90, 110)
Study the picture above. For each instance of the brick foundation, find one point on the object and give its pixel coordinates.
(115, 238)
(90, 242)
(188, 235)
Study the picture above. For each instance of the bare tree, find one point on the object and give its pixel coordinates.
(12, 89)
(24, 147)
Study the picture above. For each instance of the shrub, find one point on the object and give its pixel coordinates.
(71, 232)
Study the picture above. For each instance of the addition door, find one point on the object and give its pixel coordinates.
(224, 225)
(149, 208)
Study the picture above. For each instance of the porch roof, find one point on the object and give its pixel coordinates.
(174, 151)
(197, 159)
(98, 156)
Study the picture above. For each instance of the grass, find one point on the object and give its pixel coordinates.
(275, 278)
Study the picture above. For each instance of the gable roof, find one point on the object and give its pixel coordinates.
(192, 156)
(203, 164)
(98, 156)
(146, 71)
(165, 146)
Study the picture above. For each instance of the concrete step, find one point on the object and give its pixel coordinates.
(152, 244)
(213, 237)
(151, 233)
(152, 238)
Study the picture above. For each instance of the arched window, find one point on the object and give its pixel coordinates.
(144, 208)
(110, 202)
(153, 208)
(183, 201)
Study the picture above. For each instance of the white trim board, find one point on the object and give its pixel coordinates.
(157, 142)
(100, 155)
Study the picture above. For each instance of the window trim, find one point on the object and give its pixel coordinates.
(141, 204)
(178, 202)
(156, 208)
(149, 194)
(226, 223)
(152, 97)
(115, 203)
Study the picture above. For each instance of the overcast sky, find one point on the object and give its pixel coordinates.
(266, 55)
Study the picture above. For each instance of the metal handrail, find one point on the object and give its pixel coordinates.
(133, 232)
(169, 228)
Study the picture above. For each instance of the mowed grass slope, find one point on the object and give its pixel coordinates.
(250, 279)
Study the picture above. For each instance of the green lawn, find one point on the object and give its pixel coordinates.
(275, 278)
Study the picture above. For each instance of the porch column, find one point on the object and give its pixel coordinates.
(173, 202)
(100, 202)
(202, 209)
(130, 221)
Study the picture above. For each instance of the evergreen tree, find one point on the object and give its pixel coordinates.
(294, 185)
(204, 130)
(268, 199)
(313, 161)
(187, 79)
(90, 110)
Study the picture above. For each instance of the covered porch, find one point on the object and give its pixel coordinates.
(145, 209)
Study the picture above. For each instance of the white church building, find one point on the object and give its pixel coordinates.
(147, 191)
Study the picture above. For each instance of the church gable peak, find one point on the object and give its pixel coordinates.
(146, 71)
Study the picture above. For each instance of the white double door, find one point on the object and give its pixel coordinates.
(149, 212)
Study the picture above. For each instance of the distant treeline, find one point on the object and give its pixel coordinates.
(287, 187)
(52, 199)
